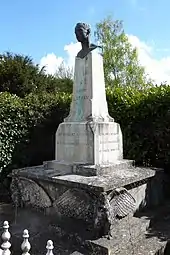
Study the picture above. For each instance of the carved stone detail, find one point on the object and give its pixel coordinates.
(28, 192)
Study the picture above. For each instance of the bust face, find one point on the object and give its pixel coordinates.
(82, 32)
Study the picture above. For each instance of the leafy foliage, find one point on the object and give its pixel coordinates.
(31, 107)
(121, 64)
(13, 128)
(20, 76)
(64, 72)
(23, 124)
(144, 117)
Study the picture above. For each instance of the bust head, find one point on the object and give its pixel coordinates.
(82, 31)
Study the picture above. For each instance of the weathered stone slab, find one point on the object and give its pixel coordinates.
(95, 143)
(108, 169)
(58, 168)
(95, 200)
(139, 246)
(131, 176)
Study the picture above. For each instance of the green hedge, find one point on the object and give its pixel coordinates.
(28, 126)
(12, 127)
(144, 117)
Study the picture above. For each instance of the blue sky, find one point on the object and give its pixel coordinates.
(36, 27)
(39, 27)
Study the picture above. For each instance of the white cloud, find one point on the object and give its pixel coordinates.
(72, 49)
(52, 62)
(158, 69)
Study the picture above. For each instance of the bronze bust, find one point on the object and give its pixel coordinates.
(82, 31)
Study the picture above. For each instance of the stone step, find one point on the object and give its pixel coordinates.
(55, 167)
(141, 246)
(125, 231)
(146, 246)
(136, 236)
(92, 170)
(129, 227)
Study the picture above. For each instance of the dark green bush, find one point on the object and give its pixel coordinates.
(50, 109)
(20, 76)
(27, 128)
(30, 109)
(13, 128)
(145, 121)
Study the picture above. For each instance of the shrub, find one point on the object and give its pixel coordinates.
(144, 117)
(13, 128)
(51, 110)
(27, 128)
(20, 76)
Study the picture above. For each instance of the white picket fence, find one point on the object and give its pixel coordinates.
(25, 246)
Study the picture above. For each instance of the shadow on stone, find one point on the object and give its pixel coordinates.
(156, 210)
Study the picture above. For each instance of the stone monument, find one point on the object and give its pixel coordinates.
(88, 136)
(89, 183)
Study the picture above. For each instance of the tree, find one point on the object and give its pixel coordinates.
(19, 75)
(121, 65)
(64, 72)
(64, 76)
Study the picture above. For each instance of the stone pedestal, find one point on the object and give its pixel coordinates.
(96, 143)
(89, 135)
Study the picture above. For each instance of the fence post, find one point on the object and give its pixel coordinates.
(5, 237)
(25, 246)
(50, 247)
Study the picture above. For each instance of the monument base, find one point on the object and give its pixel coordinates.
(97, 203)
(58, 168)
(93, 142)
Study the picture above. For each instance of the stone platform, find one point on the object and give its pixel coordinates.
(76, 168)
(95, 202)
(89, 142)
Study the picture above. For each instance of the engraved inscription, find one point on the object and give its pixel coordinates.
(80, 90)
(71, 134)
(68, 134)
(108, 142)
(108, 138)
(72, 143)
(80, 97)
(105, 142)
(107, 150)
(110, 134)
